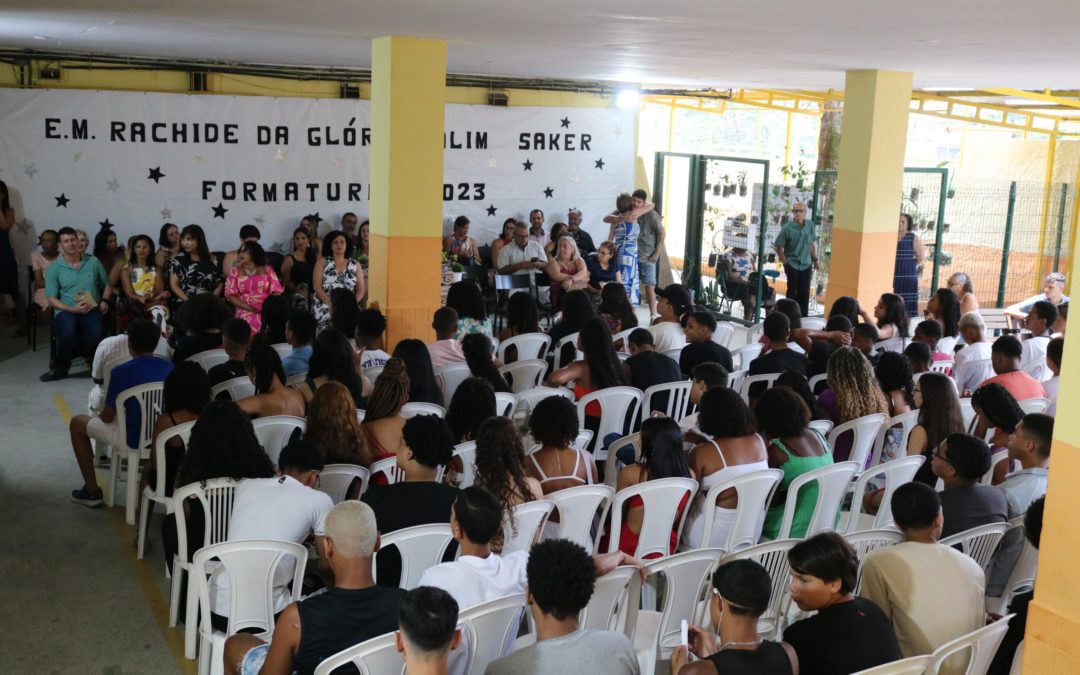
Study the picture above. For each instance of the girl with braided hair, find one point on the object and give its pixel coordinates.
(853, 392)
(272, 397)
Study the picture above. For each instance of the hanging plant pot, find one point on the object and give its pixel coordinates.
(799, 184)
(914, 193)
(742, 190)
(950, 194)
(716, 189)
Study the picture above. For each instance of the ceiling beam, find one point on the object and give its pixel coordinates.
(1035, 97)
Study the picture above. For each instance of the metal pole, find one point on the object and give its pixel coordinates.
(762, 227)
(942, 194)
(695, 224)
(1005, 245)
(1061, 226)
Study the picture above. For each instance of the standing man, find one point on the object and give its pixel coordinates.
(651, 236)
(74, 285)
(584, 240)
(796, 246)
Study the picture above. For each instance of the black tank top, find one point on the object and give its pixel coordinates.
(341, 618)
(769, 658)
(301, 270)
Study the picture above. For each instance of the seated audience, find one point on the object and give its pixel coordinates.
(976, 348)
(274, 316)
(1040, 321)
(1005, 356)
(500, 464)
(427, 630)
(271, 397)
(939, 418)
(200, 320)
(996, 413)
(821, 348)
(502, 240)
(931, 593)
(616, 310)
(944, 307)
(521, 255)
(738, 264)
(853, 393)
(647, 367)
(345, 313)
(481, 361)
(114, 350)
(700, 347)
(798, 383)
(332, 427)
(1053, 291)
(383, 421)
(522, 317)
(473, 403)
(960, 284)
(704, 377)
(894, 377)
(235, 338)
(783, 420)
(576, 310)
(673, 306)
(919, 357)
(460, 245)
(557, 465)
(423, 388)
(464, 297)
(599, 369)
(928, 332)
(604, 271)
(370, 326)
(1054, 351)
(144, 368)
(355, 609)
(560, 576)
(186, 393)
(446, 349)
(729, 447)
(581, 237)
(960, 462)
(891, 316)
(824, 570)
(332, 360)
(566, 268)
(1003, 658)
(863, 338)
(248, 233)
(780, 358)
(299, 332)
(740, 595)
(250, 283)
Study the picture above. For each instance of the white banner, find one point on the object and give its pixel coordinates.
(139, 160)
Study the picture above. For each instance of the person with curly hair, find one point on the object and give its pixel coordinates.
(557, 465)
(271, 397)
(473, 403)
(477, 350)
(794, 448)
(333, 427)
(417, 360)
(500, 464)
(560, 576)
(853, 392)
(333, 360)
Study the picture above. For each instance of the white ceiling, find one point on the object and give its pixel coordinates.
(767, 43)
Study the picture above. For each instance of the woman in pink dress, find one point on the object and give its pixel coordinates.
(250, 283)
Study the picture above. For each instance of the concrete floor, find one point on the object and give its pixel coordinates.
(73, 598)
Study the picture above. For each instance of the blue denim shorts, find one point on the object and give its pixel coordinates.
(647, 273)
(253, 660)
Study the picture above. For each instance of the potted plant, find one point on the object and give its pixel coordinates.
(457, 270)
(742, 183)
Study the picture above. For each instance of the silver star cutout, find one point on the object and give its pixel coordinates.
(166, 214)
(78, 155)
(514, 193)
(260, 221)
(30, 170)
(339, 161)
(114, 185)
(618, 131)
(576, 178)
(279, 247)
(280, 155)
(22, 226)
(492, 163)
(199, 159)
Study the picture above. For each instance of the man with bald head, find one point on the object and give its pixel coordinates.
(796, 246)
(353, 610)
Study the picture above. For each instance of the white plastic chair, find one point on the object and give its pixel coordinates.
(742, 356)
(813, 322)
(335, 480)
(995, 458)
(582, 440)
(943, 367)
(524, 374)
(678, 399)
(505, 403)
(215, 496)
(982, 644)
(723, 334)
(530, 519)
(148, 397)
(735, 379)
(871, 540)
(275, 431)
(773, 556)
(237, 388)
(1036, 404)
(611, 462)
(607, 608)
(1025, 564)
(250, 565)
(209, 358)
(450, 377)
(686, 579)
(413, 409)
(618, 410)
(755, 491)
(158, 494)
(832, 482)
(979, 543)
(915, 665)
(947, 345)
(896, 473)
(906, 421)
(895, 344)
(294, 381)
(360, 414)
(387, 467)
(489, 630)
(754, 332)
(570, 339)
(530, 346)
(579, 509)
(673, 354)
(814, 381)
(866, 430)
(661, 498)
(967, 412)
(283, 349)
(420, 547)
(823, 427)
(466, 452)
(974, 372)
(769, 379)
(528, 398)
(377, 656)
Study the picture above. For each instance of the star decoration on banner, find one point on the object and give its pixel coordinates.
(166, 213)
(492, 163)
(618, 131)
(105, 224)
(199, 159)
(527, 164)
(61, 201)
(565, 122)
(279, 247)
(491, 210)
(280, 155)
(78, 155)
(600, 164)
(339, 161)
(114, 185)
(549, 192)
(22, 226)
(219, 211)
(260, 221)
(155, 174)
(30, 170)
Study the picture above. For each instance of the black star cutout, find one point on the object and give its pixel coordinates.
(600, 164)
(61, 201)
(105, 224)
(155, 174)
(565, 122)
(549, 192)
(491, 210)
(219, 211)
(527, 164)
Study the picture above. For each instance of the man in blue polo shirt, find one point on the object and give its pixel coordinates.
(144, 368)
(74, 285)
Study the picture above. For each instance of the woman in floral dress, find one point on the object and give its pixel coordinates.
(250, 282)
(335, 268)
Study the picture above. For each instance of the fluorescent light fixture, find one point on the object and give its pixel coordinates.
(947, 89)
(1027, 102)
(628, 98)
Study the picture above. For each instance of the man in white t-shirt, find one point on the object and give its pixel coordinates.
(976, 348)
(1040, 321)
(522, 255)
(286, 508)
(1053, 363)
(370, 326)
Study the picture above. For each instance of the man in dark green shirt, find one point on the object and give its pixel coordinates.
(796, 246)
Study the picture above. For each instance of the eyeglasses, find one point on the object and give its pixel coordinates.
(938, 455)
(799, 210)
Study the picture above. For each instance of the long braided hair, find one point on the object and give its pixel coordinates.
(390, 393)
(852, 380)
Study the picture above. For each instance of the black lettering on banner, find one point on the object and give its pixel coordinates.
(447, 192)
(249, 192)
(269, 192)
(51, 125)
(333, 192)
(542, 141)
(228, 190)
(207, 186)
(481, 140)
(585, 139)
(78, 130)
(154, 129)
(463, 193)
(466, 191)
(138, 132)
(365, 136)
(311, 188)
(230, 134)
(553, 141)
(354, 191)
(523, 140)
(292, 192)
(116, 131)
(478, 189)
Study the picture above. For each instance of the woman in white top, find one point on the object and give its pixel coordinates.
(735, 449)
(674, 305)
(556, 465)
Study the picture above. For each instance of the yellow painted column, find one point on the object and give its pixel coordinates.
(870, 171)
(408, 94)
(1052, 643)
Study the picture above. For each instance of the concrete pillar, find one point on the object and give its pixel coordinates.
(408, 94)
(870, 172)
